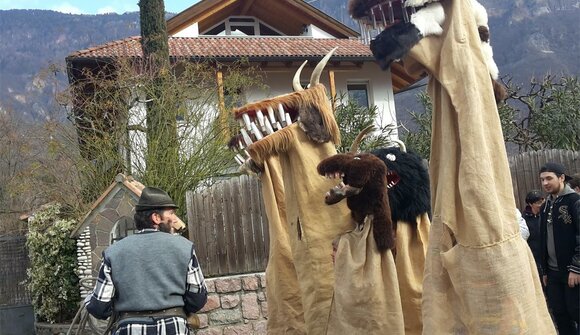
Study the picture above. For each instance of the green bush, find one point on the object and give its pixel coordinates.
(52, 281)
(352, 119)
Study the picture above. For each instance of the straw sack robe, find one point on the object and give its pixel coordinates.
(409, 199)
(299, 274)
(480, 276)
(366, 295)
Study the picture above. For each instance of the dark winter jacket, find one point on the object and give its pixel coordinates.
(535, 239)
(565, 216)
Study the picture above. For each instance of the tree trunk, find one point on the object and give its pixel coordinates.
(162, 141)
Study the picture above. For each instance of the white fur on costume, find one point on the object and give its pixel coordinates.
(429, 20)
(417, 3)
(481, 20)
(479, 13)
(489, 62)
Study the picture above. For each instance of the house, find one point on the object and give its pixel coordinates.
(110, 218)
(276, 36)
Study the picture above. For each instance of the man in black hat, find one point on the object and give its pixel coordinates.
(560, 247)
(151, 279)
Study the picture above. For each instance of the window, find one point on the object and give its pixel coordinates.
(122, 228)
(242, 26)
(216, 30)
(358, 93)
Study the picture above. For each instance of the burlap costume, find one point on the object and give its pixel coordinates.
(412, 241)
(302, 227)
(375, 293)
(480, 276)
(366, 296)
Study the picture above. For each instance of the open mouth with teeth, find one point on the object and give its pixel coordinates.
(340, 191)
(272, 116)
(392, 179)
(373, 16)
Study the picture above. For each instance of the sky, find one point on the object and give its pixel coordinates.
(91, 6)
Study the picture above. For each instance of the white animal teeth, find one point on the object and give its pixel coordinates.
(288, 119)
(269, 128)
(271, 115)
(260, 118)
(246, 137)
(247, 121)
(281, 113)
(239, 159)
(256, 131)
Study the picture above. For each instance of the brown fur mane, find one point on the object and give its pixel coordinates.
(368, 174)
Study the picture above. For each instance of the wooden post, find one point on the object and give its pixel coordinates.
(332, 89)
(223, 116)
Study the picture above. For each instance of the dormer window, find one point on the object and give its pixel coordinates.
(242, 26)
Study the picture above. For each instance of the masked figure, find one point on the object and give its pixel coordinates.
(480, 276)
(286, 137)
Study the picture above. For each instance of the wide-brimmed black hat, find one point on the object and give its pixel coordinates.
(557, 168)
(153, 198)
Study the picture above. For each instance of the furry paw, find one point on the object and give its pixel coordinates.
(394, 42)
(251, 168)
(499, 91)
(429, 20)
(416, 3)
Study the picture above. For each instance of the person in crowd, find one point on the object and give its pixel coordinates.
(151, 280)
(560, 247)
(575, 182)
(522, 224)
(534, 202)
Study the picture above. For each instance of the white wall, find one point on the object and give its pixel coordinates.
(314, 31)
(380, 94)
(190, 31)
(379, 83)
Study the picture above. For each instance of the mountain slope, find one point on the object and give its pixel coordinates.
(33, 39)
(529, 37)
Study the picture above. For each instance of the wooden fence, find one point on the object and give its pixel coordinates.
(13, 265)
(228, 225)
(525, 169)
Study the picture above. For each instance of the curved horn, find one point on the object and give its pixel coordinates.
(296, 80)
(357, 141)
(315, 77)
(402, 145)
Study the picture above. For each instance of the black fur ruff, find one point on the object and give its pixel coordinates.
(394, 42)
(411, 196)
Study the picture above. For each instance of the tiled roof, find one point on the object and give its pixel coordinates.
(120, 180)
(260, 48)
